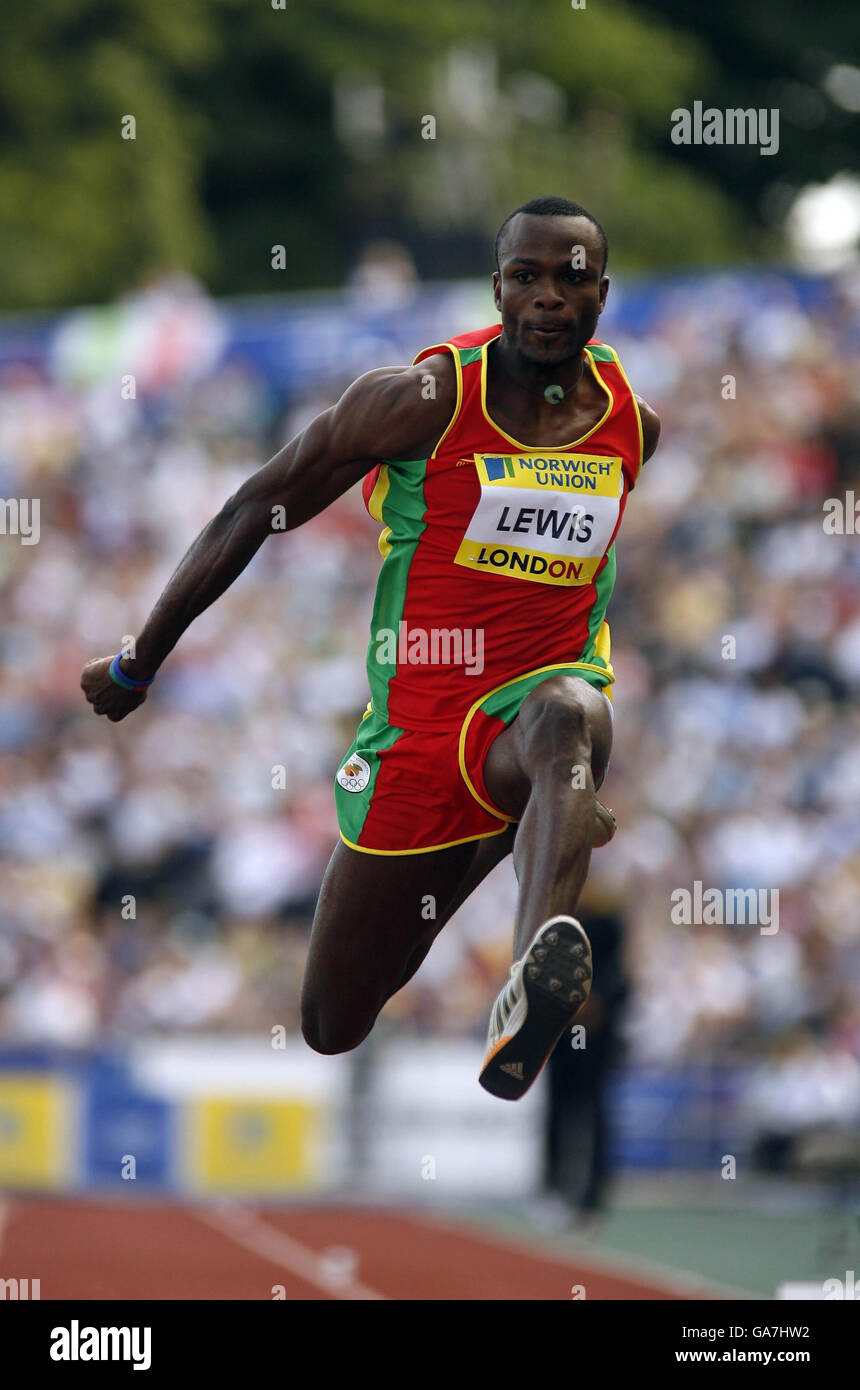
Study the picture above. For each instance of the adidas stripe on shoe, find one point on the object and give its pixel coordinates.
(547, 988)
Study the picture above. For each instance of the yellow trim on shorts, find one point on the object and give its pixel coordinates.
(461, 747)
(425, 849)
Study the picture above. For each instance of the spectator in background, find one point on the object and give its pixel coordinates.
(739, 769)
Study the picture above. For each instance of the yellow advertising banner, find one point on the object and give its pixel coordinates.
(252, 1145)
(35, 1131)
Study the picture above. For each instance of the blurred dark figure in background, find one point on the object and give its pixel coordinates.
(576, 1162)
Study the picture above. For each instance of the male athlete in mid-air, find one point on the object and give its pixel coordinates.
(499, 464)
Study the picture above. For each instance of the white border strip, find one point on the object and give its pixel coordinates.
(242, 1226)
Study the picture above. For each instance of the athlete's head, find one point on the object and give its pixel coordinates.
(551, 281)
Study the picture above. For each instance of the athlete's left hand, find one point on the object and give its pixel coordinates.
(105, 696)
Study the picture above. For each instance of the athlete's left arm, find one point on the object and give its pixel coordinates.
(650, 428)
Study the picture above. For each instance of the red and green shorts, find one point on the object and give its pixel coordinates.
(405, 791)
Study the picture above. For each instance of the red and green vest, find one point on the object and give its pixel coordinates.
(498, 556)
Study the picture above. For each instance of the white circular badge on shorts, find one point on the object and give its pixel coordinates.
(354, 775)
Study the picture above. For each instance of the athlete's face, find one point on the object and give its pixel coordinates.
(549, 301)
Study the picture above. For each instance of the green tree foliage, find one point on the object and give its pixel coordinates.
(83, 212)
(303, 126)
(772, 55)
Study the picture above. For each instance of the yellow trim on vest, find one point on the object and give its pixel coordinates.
(482, 699)
(428, 352)
(635, 407)
(602, 648)
(379, 493)
(556, 448)
(374, 507)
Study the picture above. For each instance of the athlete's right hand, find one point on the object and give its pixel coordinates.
(105, 696)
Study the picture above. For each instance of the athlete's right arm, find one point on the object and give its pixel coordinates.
(393, 412)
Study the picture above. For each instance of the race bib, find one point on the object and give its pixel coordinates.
(547, 517)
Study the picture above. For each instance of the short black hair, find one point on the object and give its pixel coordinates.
(555, 207)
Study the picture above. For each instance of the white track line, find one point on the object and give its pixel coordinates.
(239, 1224)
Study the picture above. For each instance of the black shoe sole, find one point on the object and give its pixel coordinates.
(556, 985)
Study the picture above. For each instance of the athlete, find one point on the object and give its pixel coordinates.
(499, 465)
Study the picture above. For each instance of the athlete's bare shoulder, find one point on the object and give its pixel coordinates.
(650, 428)
(407, 408)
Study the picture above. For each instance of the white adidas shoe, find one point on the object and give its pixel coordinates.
(547, 988)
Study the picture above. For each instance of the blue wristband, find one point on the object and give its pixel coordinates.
(121, 679)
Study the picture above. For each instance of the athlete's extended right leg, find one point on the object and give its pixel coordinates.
(545, 768)
(376, 919)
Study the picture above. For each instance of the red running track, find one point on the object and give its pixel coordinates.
(129, 1251)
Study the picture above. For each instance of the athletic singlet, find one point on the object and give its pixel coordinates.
(498, 557)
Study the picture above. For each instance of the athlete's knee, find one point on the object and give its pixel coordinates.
(556, 722)
(330, 1035)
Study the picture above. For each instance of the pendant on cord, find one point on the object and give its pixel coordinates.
(554, 394)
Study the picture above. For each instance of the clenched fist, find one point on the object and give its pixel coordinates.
(105, 696)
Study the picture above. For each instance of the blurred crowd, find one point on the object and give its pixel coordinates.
(160, 874)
